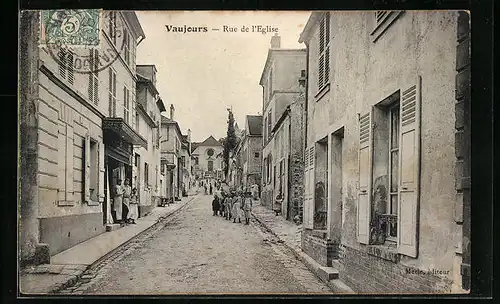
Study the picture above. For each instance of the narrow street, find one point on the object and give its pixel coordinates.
(196, 252)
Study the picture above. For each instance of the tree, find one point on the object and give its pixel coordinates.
(229, 141)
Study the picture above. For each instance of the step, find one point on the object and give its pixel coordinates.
(112, 227)
(328, 273)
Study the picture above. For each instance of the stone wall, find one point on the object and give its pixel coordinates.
(381, 272)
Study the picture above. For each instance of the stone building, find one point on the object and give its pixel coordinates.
(204, 157)
(252, 151)
(146, 173)
(279, 81)
(171, 155)
(186, 162)
(77, 131)
(387, 149)
(288, 155)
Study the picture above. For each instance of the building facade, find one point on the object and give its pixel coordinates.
(205, 158)
(387, 132)
(171, 155)
(77, 133)
(146, 171)
(252, 151)
(186, 163)
(288, 161)
(279, 81)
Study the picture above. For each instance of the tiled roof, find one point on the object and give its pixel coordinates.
(210, 141)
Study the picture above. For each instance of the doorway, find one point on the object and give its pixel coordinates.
(335, 201)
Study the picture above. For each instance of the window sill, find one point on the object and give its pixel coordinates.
(65, 203)
(386, 252)
(325, 89)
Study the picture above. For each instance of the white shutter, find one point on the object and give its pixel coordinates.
(365, 177)
(100, 153)
(305, 207)
(69, 163)
(86, 155)
(310, 216)
(409, 169)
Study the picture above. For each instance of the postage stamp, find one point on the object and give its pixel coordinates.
(72, 27)
(89, 40)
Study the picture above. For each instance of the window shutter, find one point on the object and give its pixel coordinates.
(100, 153)
(312, 159)
(91, 77)
(95, 76)
(365, 177)
(409, 164)
(69, 64)
(86, 169)
(62, 63)
(61, 162)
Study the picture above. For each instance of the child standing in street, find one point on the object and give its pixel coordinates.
(247, 207)
(237, 208)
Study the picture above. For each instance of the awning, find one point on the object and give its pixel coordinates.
(117, 125)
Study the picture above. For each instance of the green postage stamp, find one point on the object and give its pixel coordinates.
(78, 27)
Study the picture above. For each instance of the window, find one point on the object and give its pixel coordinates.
(269, 125)
(66, 65)
(112, 93)
(265, 129)
(112, 26)
(93, 86)
(324, 51)
(146, 174)
(137, 121)
(137, 160)
(196, 160)
(126, 105)
(396, 138)
(94, 171)
(257, 154)
(210, 152)
(126, 46)
(392, 204)
(183, 161)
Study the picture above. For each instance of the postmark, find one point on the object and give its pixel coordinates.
(87, 40)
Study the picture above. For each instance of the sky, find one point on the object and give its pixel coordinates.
(204, 73)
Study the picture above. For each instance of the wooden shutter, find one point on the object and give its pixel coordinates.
(69, 65)
(95, 77)
(365, 177)
(409, 166)
(100, 153)
(305, 207)
(310, 210)
(86, 155)
(69, 163)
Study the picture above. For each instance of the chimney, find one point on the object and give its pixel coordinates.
(275, 41)
(172, 111)
(189, 139)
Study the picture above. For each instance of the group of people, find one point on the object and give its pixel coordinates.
(125, 203)
(233, 206)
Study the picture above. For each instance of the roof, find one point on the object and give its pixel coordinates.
(210, 141)
(254, 123)
(167, 121)
(270, 55)
(194, 145)
(306, 32)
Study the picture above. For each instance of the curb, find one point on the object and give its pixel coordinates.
(334, 285)
(73, 279)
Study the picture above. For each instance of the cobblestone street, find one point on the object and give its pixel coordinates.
(196, 252)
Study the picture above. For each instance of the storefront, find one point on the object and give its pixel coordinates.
(119, 139)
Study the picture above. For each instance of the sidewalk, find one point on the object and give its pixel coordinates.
(290, 235)
(66, 267)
